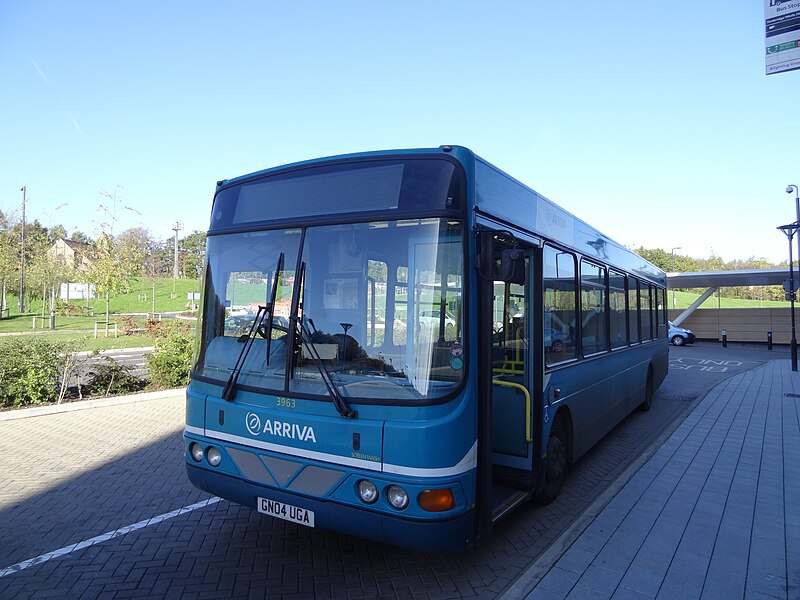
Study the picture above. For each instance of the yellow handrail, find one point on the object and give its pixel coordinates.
(528, 437)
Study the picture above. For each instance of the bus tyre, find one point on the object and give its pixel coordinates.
(556, 464)
(648, 392)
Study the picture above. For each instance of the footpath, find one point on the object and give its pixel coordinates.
(713, 513)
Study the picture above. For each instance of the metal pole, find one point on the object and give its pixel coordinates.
(673, 270)
(176, 227)
(791, 304)
(790, 230)
(21, 304)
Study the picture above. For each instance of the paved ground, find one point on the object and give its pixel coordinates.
(714, 513)
(89, 504)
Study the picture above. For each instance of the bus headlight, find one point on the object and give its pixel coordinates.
(196, 452)
(397, 497)
(213, 456)
(367, 491)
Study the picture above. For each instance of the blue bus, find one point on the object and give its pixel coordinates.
(405, 345)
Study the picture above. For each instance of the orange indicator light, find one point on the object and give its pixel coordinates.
(437, 500)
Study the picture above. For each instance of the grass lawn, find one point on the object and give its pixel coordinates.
(685, 299)
(138, 300)
(86, 342)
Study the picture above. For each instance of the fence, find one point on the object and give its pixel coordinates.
(742, 324)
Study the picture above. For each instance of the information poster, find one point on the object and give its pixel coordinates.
(782, 34)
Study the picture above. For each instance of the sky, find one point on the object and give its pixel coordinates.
(652, 121)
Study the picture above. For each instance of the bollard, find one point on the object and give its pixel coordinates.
(769, 340)
(52, 319)
(724, 338)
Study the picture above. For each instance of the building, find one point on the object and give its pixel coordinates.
(76, 255)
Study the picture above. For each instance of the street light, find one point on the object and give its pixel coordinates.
(673, 270)
(790, 230)
(176, 227)
(24, 190)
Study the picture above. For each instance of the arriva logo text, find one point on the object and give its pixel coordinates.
(279, 428)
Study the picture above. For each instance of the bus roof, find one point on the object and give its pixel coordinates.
(504, 197)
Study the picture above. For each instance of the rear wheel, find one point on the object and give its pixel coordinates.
(556, 464)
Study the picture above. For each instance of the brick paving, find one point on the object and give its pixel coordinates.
(713, 514)
(70, 477)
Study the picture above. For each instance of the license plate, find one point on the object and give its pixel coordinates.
(287, 512)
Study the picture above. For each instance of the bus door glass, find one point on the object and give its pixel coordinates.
(511, 372)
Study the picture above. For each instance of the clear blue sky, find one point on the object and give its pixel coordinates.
(653, 121)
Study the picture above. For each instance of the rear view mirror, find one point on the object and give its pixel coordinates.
(512, 266)
(509, 266)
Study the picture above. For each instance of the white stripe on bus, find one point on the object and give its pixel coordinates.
(465, 465)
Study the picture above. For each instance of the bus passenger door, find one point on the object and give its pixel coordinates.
(512, 380)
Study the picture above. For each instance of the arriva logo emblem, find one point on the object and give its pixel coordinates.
(253, 423)
(277, 428)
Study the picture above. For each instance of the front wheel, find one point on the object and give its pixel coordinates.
(556, 465)
(678, 340)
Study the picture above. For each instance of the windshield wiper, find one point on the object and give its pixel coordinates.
(339, 402)
(229, 391)
(342, 407)
(271, 305)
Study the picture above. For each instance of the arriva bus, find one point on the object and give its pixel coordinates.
(406, 345)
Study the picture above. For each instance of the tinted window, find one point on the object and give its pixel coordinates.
(366, 186)
(616, 302)
(560, 301)
(593, 308)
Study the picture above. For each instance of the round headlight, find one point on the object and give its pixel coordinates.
(196, 451)
(367, 491)
(397, 496)
(213, 456)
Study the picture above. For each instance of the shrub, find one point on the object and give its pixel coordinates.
(127, 325)
(164, 329)
(31, 370)
(111, 378)
(171, 360)
(68, 309)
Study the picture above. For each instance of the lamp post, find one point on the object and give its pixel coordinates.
(790, 230)
(24, 190)
(176, 227)
(789, 189)
(673, 270)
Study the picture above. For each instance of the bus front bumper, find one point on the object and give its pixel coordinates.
(427, 536)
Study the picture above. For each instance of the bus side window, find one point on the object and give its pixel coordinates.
(559, 303)
(377, 291)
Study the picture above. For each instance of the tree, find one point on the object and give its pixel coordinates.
(108, 272)
(79, 236)
(135, 246)
(57, 232)
(46, 273)
(193, 251)
(9, 259)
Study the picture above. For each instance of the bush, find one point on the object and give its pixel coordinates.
(31, 370)
(171, 360)
(127, 325)
(111, 378)
(164, 329)
(64, 309)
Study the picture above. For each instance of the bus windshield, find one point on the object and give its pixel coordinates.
(373, 308)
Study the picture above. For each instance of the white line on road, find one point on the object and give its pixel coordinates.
(43, 558)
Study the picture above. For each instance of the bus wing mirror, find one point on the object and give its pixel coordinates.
(512, 266)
